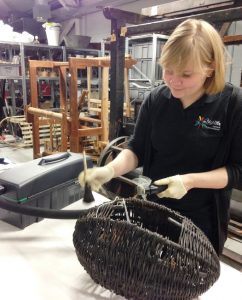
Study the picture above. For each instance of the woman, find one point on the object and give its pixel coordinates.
(188, 133)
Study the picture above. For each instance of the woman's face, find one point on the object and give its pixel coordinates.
(187, 85)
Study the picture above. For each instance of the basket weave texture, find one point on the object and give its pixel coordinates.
(142, 250)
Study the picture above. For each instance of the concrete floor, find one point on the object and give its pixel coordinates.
(14, 151)
(17, 155)
(20, 155)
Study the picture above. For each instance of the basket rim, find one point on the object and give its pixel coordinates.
(97, 219)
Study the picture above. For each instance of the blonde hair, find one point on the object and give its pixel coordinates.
(198, 42)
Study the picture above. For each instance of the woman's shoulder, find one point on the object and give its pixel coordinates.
(234, 100)
(230, 94)
(157, 96)
(161, 90)
(235, 95)
(234, 90)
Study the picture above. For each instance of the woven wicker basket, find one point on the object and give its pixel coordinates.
(142, 250)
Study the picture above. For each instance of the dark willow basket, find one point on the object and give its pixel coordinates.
(142, 250)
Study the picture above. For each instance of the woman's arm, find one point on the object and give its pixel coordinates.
(215, 179)
(179, 185)
(125, 162)
(95, 177)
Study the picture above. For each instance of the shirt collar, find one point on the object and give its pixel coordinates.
(203, 99)
(167, 93)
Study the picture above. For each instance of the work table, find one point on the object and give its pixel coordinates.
(39, 263)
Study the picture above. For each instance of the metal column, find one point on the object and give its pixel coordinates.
(154, 55)
(116, 79)
(23, 71)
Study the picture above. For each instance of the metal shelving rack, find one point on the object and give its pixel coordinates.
(34, 51)
(146, 49)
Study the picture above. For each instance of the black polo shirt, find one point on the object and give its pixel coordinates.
(182, 141)
(211, 126)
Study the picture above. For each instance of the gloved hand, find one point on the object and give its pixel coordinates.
(175, 189)
(96, 177)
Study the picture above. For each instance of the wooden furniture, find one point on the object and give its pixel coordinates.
(75, 128)
(45, 131)
(38, 116)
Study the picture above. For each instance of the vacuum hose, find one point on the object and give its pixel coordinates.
(42, 212)
(9, 205)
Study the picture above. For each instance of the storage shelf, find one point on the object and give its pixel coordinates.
(31, 51)
(11, 77)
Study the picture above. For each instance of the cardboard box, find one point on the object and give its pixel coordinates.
(9, 70)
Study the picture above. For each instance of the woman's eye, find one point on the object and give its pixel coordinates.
(168, 72)
(186, 75)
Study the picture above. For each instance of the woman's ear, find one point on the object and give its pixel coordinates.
(210, 69)
(210, 72)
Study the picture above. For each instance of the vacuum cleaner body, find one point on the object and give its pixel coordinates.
(49, 182)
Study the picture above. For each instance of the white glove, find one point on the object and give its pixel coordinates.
(96, 177)
(175, 189)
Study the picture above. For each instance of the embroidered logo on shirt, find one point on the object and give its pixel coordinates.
(206, 123)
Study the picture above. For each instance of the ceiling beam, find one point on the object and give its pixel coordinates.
(225, 15)
(184, 7)
(126, 16)
(232, 39)
(85, 7)
(224, 28)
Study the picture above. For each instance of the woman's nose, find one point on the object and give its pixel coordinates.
(176, 80)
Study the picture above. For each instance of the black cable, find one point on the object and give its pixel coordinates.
(42, 212)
